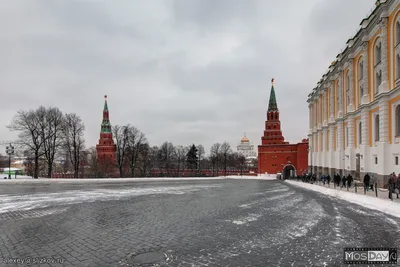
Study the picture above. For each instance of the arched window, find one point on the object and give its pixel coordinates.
(378, 80)
(378, 53)
(360, 70)
(360, 95)
(397, 118)
(359, 133)
(377, 127)
(397, 33)
(398, 66)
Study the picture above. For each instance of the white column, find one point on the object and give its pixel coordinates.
(351, 89)
(332, 102)
(340, 135)
(364, 82)
(350, 126)
(340, 104)
(331, 138)
(385, 78)
(383, 121)
(364, 126)
(310, 117)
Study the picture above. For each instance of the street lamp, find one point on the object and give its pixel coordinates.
(10, 152)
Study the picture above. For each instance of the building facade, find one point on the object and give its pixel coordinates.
(246, 149)
(106, 149)
(354, 112)
(274, 154)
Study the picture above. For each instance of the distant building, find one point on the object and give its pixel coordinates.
(247, 149)
(274, 154)
(106, 149)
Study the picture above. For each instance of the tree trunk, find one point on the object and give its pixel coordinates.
(36, 171)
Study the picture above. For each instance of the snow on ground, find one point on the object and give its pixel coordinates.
(383, 205)
(44, 200)
(22, 179)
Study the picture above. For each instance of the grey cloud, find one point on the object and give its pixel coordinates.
(185, 71)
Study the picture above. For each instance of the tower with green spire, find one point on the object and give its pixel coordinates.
(272, 106)
(106, 149)
(272, 133)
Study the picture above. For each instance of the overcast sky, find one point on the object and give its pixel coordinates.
(185, 71)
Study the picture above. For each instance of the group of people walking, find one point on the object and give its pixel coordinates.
(347, 181)
(394, 185)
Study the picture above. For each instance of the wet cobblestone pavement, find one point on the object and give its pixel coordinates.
(183, 223)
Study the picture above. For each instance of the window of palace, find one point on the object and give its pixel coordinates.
(360, 70)
(378, 53)
(376, 160)
(396, 160)
(377, 128)
(398, 66)
(378, 81)
(347, 136)
(359, 133)
(398, 32)
(397, 120)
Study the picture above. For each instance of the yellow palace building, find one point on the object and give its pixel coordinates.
(354, 112)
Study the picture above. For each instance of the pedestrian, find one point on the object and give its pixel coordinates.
(328, 179)
(349, 180)
(372, 182)
(398, 186)
(391, 186)
(344, 181)
(366, 181)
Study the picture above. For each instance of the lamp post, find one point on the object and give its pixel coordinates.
(10, 152)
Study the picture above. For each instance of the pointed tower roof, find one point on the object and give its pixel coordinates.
(105, 103)
(272, 106)
(105, 125)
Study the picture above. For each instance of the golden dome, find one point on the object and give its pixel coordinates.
(245, 140)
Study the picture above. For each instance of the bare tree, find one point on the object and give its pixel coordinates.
(225, 151)
(27, 126)
(92, 162)
(135, 140)
(215, 155)
(147, 159)
(166, 155)
(180, 157)
(121, 135)
(50, 126)
(73, 141)
(200, 154)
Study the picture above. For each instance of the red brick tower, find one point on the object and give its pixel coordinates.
(106, 149)
(273, 132)
(274, 154)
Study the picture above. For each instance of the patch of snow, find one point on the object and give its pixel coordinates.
(42, 200)
(244, 220)
(374, 203)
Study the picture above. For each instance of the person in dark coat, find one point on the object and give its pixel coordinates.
(398, 186)
(391, 186)
(366, 181)
(344, 181)
(328, 178)
(337, 179)
(349, 180)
